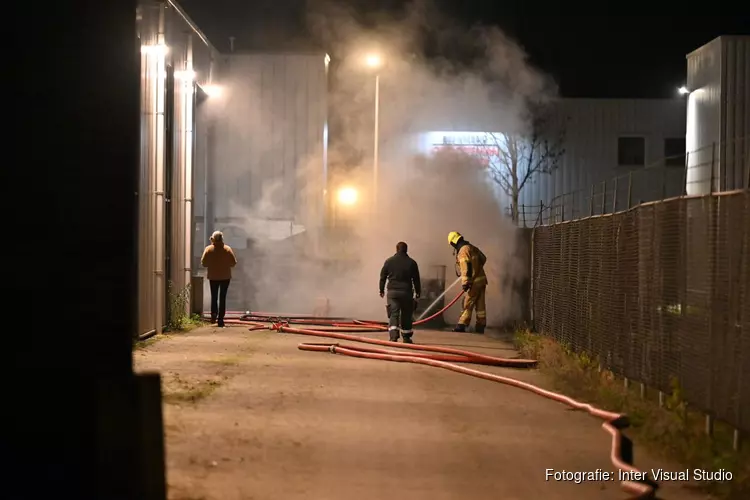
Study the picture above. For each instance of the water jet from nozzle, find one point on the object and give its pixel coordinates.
(429, 308)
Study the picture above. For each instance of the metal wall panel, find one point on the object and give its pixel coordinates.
(175, 57)
(592, 128)
(735, 109)
(269, 146)
(703, 114)
(719, 115)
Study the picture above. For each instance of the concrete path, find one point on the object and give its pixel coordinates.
(249, 416)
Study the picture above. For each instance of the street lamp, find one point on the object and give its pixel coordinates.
(374, 62)
(683, 90)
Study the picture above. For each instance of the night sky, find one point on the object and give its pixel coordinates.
(589, 56)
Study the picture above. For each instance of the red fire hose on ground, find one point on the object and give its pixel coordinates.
(445, 357)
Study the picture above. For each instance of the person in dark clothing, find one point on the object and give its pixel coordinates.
(404, 288)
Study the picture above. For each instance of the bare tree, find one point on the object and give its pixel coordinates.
(513, 160)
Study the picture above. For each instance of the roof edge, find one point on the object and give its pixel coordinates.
(191, 23)
(718, 39)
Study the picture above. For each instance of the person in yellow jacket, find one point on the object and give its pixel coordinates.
(470, 267)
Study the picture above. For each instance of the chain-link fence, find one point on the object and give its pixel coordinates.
(658, 293)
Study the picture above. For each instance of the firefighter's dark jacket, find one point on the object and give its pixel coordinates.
(402, 273)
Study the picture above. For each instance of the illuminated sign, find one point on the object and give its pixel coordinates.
(481, 146)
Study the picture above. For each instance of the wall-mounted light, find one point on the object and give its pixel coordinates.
(186, 75)
(156, 50)
(683, 90)
(212, 90)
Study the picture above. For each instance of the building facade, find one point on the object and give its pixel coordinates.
(607, 139)
(603, 139)
(177, 66)
(718, 115)
(265, 176)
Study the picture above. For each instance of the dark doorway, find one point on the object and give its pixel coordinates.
(168, 175)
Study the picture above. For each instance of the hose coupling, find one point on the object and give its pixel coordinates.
(332, 348)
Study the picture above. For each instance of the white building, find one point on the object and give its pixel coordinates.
(718, 115)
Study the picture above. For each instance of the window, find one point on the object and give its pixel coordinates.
(631, 151)
(674, 152)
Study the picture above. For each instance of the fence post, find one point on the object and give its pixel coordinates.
(532, 288)
(604, 197)
(562, 209)
(591, 202)
(684, 174)
(630, 189)
(539, 215)
(713, 168)
(614, 197)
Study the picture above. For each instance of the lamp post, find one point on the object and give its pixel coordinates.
(374, 62)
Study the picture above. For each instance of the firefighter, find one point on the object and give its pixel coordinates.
(470, 267)
(404, 289)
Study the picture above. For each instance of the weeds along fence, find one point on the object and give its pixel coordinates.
(659, 294)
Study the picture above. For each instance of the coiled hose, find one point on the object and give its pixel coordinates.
(446, 358)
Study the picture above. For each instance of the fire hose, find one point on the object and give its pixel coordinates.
(446, 358)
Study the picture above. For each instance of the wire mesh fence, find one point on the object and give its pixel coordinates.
(658, 294)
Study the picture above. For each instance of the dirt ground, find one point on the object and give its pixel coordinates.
(249, 416)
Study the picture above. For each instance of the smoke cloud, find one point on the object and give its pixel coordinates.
(421, 195)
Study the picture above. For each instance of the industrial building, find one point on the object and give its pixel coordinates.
(267, 165)
(603, 139)
(606, 139)
(177, 78)
(232, 142)
(694, 143)
(718, 115)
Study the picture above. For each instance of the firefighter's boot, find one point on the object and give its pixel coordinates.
(460, 328)
(479, 329)
(407, 338)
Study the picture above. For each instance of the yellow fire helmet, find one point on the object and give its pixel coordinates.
(453, 237)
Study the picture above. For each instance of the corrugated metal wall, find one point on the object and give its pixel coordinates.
(735, 122)
(269, 162)
(703, 114)
(175, 57)
(718, 77)
(592, 128)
